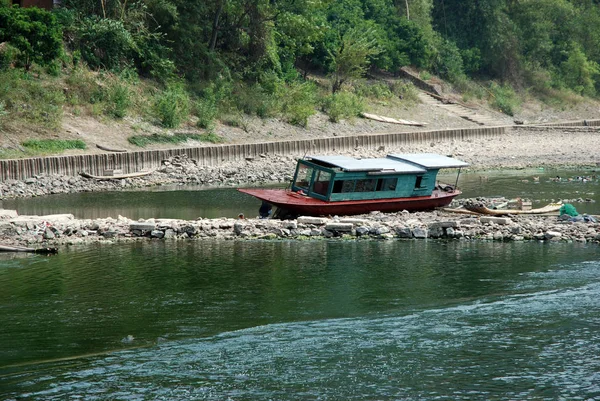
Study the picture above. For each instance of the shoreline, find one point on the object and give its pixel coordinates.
(552, 147)
(518, 149)
(66, 231)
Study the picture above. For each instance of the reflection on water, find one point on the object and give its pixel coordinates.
(296, 320)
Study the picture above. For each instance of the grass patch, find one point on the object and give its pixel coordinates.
(53, 145)
(144, 140)
(504, 98)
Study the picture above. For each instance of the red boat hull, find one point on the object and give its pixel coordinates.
(307, 206)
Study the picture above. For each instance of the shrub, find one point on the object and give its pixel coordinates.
(34, 32)
(118, 100)
(343, 105)
(206, 111)
(405, 91)
(504, 98)
(105, 43)
(298, 102)
(172, 105)
(378, 90)
(8, 55)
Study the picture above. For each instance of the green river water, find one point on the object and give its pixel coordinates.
(304, 320)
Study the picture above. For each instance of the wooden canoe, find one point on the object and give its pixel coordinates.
(115, 177)
(481, 209)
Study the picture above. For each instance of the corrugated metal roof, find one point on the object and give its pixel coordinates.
(371, 165)
(430, 160)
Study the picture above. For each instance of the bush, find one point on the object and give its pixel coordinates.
(105, 43)
(8, 55)
(206, 111)
(504, 98)
(172, 105)
(298, 103)
(343, 105)
(378, 90)
(118, 100)
(34, 32)
(405, 91)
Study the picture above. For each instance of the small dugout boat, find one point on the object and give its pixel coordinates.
(341, 185)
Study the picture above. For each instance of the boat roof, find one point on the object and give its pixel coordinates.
(370, 165)
(401, 164)
(430, 160)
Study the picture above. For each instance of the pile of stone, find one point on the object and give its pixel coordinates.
(62, 230)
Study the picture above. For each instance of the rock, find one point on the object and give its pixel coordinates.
(495, 220)
(142, 226)
(549, 235)
(157, 234)
(419, 233)
(362, 230)
(404, 232)
(319, 221)
(49, 234)
(342, 227)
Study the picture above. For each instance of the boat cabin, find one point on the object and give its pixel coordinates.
(341, 178)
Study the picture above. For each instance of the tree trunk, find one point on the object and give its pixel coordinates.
(215, 26)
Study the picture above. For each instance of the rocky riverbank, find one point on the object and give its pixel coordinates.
(64, 230)
(518, 148)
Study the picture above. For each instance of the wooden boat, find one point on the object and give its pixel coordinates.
(341, 185)
(482, 209)
(116, 176)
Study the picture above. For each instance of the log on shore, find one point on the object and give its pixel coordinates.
(17, 248)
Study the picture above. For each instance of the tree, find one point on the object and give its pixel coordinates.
(34, 32)
(351, 58)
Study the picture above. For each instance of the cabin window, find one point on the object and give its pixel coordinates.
(365, 185)
(343, 186)
(387, 184)
(304, 176)
(419, 182)
(321, 184)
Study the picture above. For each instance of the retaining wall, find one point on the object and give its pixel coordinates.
(130, 162)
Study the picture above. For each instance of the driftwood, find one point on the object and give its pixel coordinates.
(110, 149)
(17, 248)
(482, 209)
(115, 177)
(390, 120)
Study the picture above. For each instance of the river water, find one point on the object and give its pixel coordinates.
(191, 202)
(288, 320)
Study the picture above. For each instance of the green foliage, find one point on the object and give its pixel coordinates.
(579, 74)
(105, 43)
(118, 100)
(379, 90)
(53, 145)
(504, 98)
(32, 99)
(299, 102)
(343, 105)
(406, 91)
(206, 110)
(34, 32)
(145, 140)
(351, 58)
(172, 105)
(448, 63)
(8, 55)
